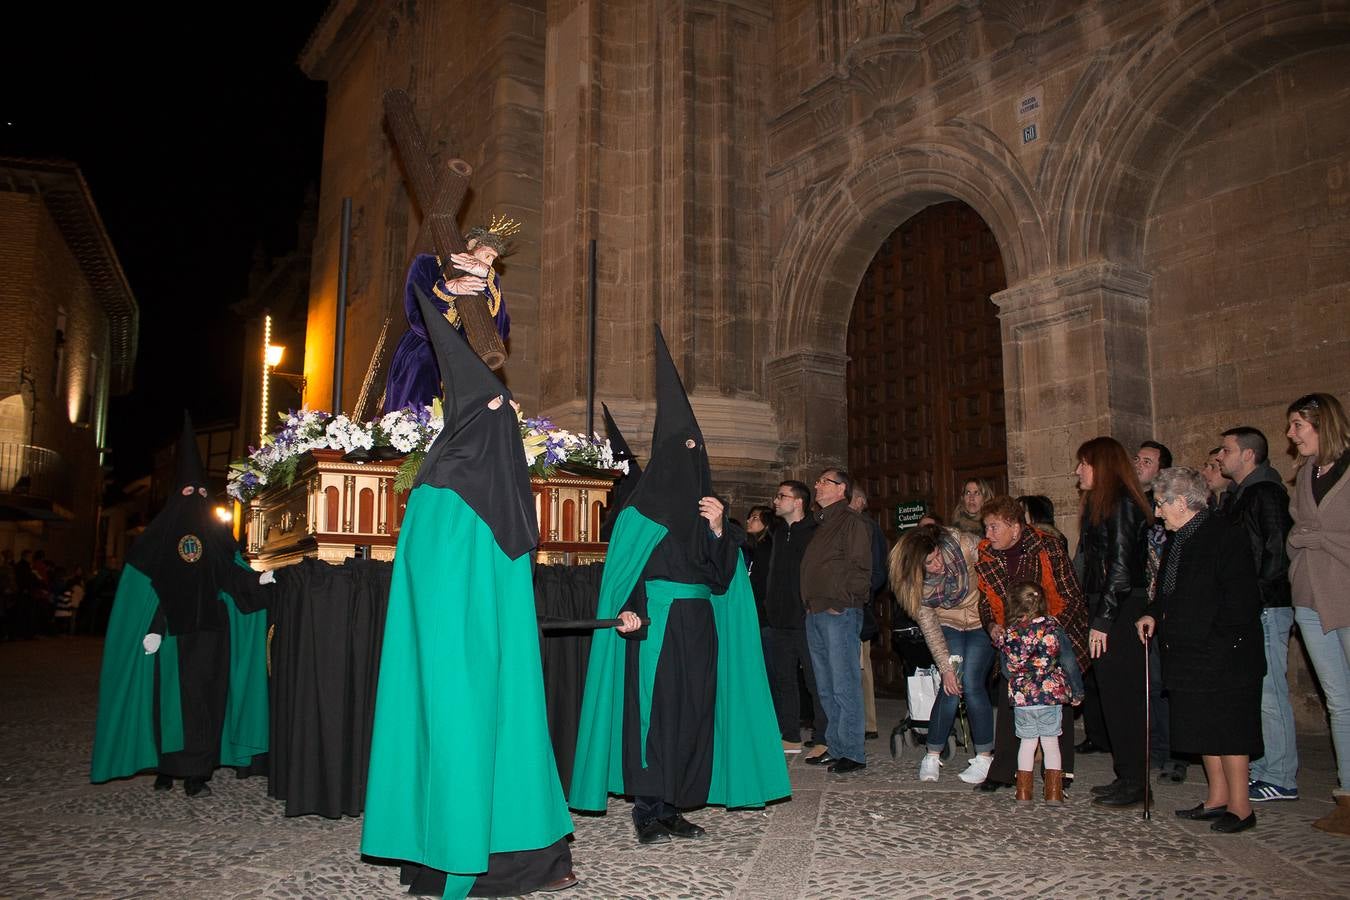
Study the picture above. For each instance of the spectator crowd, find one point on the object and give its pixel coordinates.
(1166, 627)
(40, 599)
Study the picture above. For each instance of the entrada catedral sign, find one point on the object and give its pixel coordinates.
(907, 515)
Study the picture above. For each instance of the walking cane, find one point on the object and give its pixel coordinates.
(1148, 730)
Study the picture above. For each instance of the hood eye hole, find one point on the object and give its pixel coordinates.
(691, 443)
(187, 491)
(201, 491)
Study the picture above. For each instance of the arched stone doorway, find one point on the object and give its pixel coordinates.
(925, 364)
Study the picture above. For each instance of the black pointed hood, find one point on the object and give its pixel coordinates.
(185, 548)
(677, 475)
(479, 454)
(624, 487)
(188, 469)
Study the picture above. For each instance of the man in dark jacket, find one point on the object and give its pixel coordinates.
(1259, 502)
(836, 585)
(787, 617)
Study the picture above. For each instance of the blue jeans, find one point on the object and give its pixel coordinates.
(1280, 764)
(977, 655)
(834, 657)
(1330, 655)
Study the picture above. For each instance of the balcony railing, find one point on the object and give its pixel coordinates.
(36, 472)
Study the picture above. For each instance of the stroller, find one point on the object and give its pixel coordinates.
(917, 665)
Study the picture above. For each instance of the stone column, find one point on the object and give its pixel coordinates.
(808, 391)
(1075, 366)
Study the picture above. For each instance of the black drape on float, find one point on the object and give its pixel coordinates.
(327, 632)
(567, 593)
(328, 627)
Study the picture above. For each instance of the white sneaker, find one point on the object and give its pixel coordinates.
(928, 767)
(978, 769)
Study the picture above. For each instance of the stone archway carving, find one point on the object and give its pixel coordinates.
(837, 233)
(1133, 125)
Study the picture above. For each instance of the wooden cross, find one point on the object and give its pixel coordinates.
(440, 197)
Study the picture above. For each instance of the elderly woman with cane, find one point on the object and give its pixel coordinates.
(1207, 614)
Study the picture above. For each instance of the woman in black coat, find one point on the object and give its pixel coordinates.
(1111, 566)
(1207, 612)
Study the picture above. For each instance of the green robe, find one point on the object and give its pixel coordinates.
(748, 766)
(460, 761)
(124, 732)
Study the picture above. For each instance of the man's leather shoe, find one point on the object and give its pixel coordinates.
(1087, 747)
(652, 833)
(163, 783)
(1231, 824)
(845, 765)
(824, 759)
(681, 827)
(561, 884)
(1200, 811)
(1128, 795)
(195, 786)
(989, 785)
(1101, 790)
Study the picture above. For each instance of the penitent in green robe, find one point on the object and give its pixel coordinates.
(461, 764)
(124, 732)
(748, 768)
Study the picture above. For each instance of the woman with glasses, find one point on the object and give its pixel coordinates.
(1207, 613)
(1319, 568)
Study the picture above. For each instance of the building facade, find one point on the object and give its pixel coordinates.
(1167, 184)
(67, 342)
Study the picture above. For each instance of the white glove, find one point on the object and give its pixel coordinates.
(268, 577)
(151, 642)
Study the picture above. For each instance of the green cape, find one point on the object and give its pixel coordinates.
(461, 764)
(748, 766)
(124, 732)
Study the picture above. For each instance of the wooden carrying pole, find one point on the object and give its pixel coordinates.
(439, 198)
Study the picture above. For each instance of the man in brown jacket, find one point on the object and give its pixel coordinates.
(836, 584)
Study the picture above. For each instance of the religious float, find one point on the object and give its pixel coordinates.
(329, 488)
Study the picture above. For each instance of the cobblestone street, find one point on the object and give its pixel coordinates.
(878, 833)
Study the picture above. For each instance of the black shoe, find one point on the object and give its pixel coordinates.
(846, 765)
(989, 785)
(681, 827)
(1231, 824)
(1129, 795)
(561, 884)
(163, 783)
(652, 833)
(1200, 811)
(823, 759)
(1087, 747)
(809, 742)
(1101, 790)
(1068, 780)
(195, 786)
(869, 735)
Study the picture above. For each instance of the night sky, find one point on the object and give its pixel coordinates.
(198, 144)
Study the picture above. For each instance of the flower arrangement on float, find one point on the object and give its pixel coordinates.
(404, 433)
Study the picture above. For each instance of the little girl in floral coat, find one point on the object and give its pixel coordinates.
(1043, 675)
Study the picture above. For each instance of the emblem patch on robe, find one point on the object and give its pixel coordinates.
(190, 548)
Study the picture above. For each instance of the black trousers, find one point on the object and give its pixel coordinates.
(1120, 681)
(1094, 723)
(788, 652)
(1007, 743)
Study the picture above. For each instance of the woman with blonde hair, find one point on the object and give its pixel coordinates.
(1319, 568)
(932, 573)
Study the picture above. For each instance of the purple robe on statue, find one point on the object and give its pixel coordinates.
(414, 378)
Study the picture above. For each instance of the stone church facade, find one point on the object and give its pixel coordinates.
(1167, 181)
